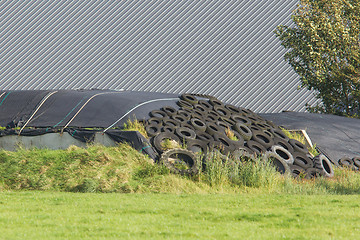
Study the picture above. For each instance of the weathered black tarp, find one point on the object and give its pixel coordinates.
(336, 136)
(78, 108)
(136, 140)
(17, 106)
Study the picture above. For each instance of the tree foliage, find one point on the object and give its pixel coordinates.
(323, 48)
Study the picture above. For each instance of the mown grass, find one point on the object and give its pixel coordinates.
(56, 215)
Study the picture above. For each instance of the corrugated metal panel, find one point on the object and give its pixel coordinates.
(223, 48)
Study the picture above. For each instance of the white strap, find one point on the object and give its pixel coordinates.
(141, 104)
(37, 109)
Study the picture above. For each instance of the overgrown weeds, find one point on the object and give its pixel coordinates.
(135, 125)
(299, 137)
(122, 169)
(242, 173)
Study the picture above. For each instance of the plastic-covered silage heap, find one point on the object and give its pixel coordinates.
(201, 123)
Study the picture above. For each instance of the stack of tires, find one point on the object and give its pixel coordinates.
(205, 124)
(350, 163)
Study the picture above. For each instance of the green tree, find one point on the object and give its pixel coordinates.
(323, 48)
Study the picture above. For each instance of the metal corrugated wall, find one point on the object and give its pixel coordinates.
(223, 48)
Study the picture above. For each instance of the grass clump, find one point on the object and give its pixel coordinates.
(167, 144)
(230, 134)
(135, 125)
(242, 173)
(299, 137)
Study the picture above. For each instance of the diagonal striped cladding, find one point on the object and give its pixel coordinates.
(222, 48)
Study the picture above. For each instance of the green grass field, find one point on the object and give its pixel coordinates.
(56, 215)
(118, 193)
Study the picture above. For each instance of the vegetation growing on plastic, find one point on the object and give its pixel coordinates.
(135, 125)
(300, 138)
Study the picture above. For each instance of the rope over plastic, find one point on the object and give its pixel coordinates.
(67, 124)
(2, 94)
(4, 97)
(144, 148)
(37, 109)
(139, 105)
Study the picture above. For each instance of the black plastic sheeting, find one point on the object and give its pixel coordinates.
(78, 108)
(335, 136)
(73, 111)
(17, 106)
(137, 141)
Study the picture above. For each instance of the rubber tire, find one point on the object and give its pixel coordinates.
(280, 165)
(241, 119)
(198, 124)
(190, 98)
(220, 146)
(243, 130)
(222, 111)
(195, 144)
(313, 173)
(303, 160)
(277, 132)
(171, 122)
(169, 110)
(228, 121)
(347, 162)
(185, 133)
(204, 136)
(160, 137)
(237, 143)
(168, 129)
(223, 139)
(223, 125)
(184, 104)
(322, 163)
(212, 128)
(198, 114)
(233, 109)
(356, 161)
(184, 113)
(255, 128)
(180, 118)
(297, 171)
(256, 147)
(283, 153)
(187, 125)
(152, 129)
(155, 121)
(216, 102)
(243, 154)
(253, 119)
(158, 114)
(211, 118)
(284, 143)
(187, 156)
(205, 104)
(298, 146)
(263, 139)
(201, 108)
(213, 114)
(265, 127)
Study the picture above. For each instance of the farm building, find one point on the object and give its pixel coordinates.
(222, 48)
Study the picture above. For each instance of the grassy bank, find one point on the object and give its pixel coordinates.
(58, 215)
(122, 169)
